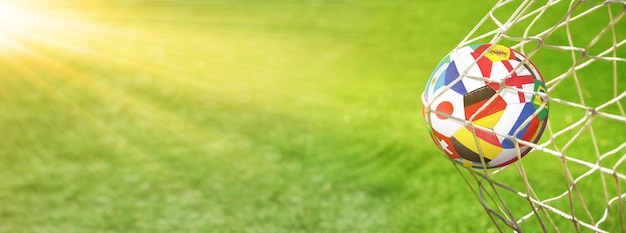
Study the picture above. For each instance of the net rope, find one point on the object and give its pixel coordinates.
(517, 24)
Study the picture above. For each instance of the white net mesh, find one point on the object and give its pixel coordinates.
(574, 180)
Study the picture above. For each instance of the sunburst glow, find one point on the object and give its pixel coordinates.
(13, 19)
(11, 16)
(94, 49)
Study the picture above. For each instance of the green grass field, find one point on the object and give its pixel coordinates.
(233, 116)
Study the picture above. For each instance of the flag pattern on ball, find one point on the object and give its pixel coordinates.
(479, 100)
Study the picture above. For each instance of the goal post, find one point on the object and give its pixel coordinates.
(574, 180)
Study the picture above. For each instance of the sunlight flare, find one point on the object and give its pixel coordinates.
(12, 20)
(12, 17)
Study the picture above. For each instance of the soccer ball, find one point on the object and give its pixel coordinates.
(481, 101)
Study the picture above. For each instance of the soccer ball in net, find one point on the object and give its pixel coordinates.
(481, 102)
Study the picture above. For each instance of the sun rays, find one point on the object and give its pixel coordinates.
(84, 60)
(119, 73)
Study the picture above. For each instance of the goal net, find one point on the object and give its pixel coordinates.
(574, 180)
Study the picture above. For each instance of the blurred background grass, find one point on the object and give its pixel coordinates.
(230, 116)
